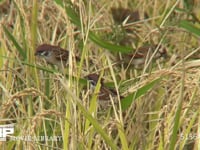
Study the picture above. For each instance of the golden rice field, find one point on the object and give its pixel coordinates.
(154, 105)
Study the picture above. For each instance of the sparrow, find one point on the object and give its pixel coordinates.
(104, 92)
(143, 54)
(121, 14)
(129, 22)
(54, 55)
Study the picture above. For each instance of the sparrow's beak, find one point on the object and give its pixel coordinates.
(36, 54)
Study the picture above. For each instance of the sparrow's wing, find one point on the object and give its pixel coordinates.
(62, 55)
(138, 55)
(104, 93)
(94, 77)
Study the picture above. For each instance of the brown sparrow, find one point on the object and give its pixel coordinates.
(104, 92)
(144, 54)
(124, 15)
(121, 14)
(54, 55)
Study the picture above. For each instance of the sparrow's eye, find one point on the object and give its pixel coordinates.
(45, 53)
(93, 83)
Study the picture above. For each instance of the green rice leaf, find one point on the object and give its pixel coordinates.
(188, 26)
(74, 17)
(127, 101)
(107, 45)
(59, 2)
(97, 126)
(16, 44)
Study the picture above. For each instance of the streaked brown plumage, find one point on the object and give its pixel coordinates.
(120, 14)
(54, 55)
(143, 54)
(104, 92)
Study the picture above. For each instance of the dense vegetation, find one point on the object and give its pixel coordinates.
(160, 104)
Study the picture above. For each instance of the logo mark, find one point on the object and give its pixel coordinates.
(6, 130)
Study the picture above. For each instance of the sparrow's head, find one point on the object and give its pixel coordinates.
(44, 50)
(93, 79)
(144, 53)
(161, 53)
(105, 92)
(54, 55)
